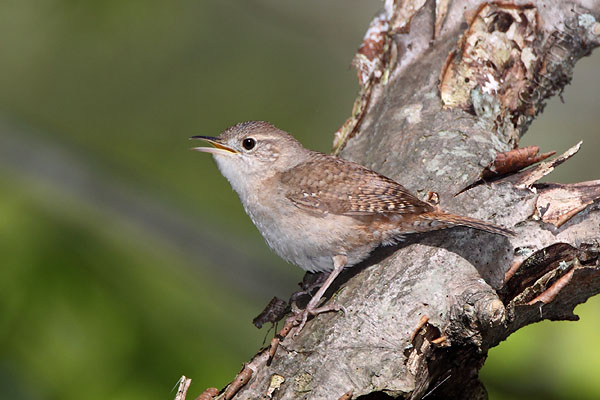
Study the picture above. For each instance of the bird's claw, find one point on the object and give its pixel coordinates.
(302, 316)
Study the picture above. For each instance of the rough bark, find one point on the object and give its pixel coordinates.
(446, 87)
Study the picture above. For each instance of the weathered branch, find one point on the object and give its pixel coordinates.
(445, 89)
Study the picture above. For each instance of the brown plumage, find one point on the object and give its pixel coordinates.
(327, 184)
(318, 211)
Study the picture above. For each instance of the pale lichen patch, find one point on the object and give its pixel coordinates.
(586, 21)
(412, 113)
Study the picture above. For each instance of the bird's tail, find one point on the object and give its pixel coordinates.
(442, 220)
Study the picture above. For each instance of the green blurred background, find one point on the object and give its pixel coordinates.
(127, 260)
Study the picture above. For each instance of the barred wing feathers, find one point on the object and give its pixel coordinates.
(326, 184)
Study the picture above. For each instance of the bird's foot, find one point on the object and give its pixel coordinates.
(301, 316)
(339, 262)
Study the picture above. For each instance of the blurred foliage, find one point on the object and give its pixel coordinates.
(548, 360)
(97, 302)
(98, 307)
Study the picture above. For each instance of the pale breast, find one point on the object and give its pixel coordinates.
(308, 240)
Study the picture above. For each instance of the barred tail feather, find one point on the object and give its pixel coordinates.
(449, 220)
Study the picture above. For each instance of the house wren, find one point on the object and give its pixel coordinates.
(319, 211)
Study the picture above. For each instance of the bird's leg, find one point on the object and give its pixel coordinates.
(309, 283)
(339, 262)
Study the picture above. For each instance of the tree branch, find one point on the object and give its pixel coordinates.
(442, 94)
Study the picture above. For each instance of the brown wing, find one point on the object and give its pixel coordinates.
(327, 184)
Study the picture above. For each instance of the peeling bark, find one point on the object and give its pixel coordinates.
(446, 88)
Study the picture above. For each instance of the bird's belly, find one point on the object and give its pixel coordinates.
(311, 242)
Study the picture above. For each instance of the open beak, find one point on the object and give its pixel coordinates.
(219, 147)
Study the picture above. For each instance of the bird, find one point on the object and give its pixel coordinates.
(318, 211)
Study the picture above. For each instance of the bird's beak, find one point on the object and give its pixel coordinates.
(219, 147)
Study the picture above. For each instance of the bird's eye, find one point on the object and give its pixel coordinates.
(249, 143)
